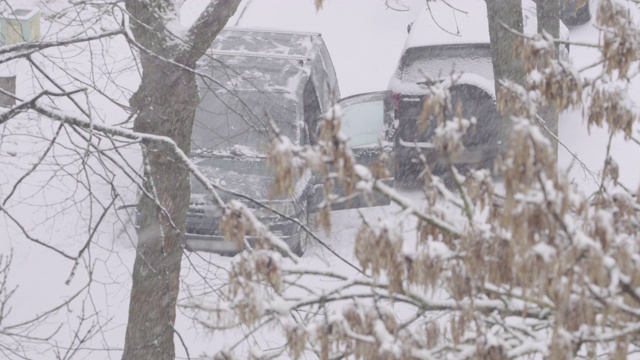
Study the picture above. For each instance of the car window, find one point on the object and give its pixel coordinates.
(247, 94)
(323, 76)
(242, 94)
(227, 120)
(311, 109)
(363, 121)
(331, 72)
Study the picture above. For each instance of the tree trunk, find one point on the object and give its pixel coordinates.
(549, 21)
(165, 105)
(168, 110)
(506, 62)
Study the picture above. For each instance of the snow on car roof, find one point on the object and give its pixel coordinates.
(276, 61)
(414, 88)
(266, 42)
(463, 22)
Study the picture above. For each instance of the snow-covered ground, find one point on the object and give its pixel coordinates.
(365, 38)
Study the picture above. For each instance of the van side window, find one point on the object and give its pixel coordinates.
(324, 78)
(311, 112)
(331, 72)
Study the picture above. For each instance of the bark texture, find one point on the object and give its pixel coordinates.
(549, 21)
(504, 15)
(165, 105)
(506, 62)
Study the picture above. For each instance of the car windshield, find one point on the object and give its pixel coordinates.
(435, 61)
(252, 79)
(238, 121)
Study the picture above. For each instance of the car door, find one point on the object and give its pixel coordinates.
(367, 123)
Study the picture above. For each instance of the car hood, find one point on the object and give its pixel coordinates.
(250, 177)
(247, 177)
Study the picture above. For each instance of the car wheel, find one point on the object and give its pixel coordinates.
(571, 17)
(488, 132)
(304, 238)
(584, 15)
(300, 248)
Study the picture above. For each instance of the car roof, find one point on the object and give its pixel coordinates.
(266, 42)
(453, 22)
(276, 61)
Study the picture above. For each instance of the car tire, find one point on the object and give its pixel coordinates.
(300, 248)
(304, 238)
(580, 17)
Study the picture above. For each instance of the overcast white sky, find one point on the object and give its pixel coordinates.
(364, 37)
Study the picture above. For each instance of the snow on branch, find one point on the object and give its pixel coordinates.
(535, 269)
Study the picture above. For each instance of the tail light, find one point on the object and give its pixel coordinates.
(396, 105)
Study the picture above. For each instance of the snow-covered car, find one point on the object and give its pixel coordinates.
(449, 42)
(255, 77)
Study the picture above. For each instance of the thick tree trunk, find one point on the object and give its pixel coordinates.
(169, 99)
(549, 21)
(165, 105)
(506, 61)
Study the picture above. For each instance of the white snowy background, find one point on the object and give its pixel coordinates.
(364, 38)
